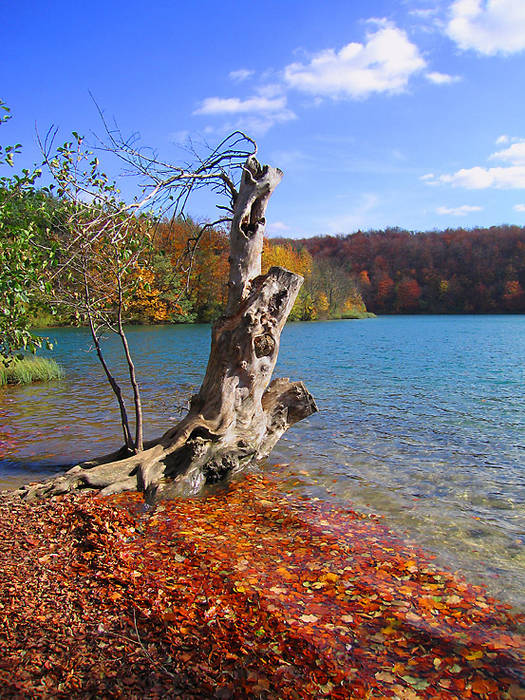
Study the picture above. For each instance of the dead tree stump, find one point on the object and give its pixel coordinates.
(239, 413)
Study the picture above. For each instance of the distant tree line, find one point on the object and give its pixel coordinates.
(479, 270)
(385, 272)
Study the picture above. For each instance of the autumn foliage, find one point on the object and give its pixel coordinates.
(250, 593)
(202, 270)
(390, 271)
(179, 272)
(180, 281)
(452, 271)
(328, 290)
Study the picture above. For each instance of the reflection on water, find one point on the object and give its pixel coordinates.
(422, 420)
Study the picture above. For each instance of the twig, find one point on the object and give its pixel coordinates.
(148, 655)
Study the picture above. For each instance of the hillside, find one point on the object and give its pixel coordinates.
(451, 271)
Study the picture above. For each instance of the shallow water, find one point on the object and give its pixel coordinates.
(421, 419)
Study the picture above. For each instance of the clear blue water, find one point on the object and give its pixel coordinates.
(422, 419)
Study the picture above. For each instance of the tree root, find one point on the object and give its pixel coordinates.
(185, 458)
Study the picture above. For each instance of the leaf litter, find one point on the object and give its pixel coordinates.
(248, 593)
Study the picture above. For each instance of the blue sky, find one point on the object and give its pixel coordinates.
(407, 113)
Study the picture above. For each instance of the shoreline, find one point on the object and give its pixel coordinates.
(364, 316)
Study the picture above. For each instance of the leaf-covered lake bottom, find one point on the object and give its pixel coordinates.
(250, 592)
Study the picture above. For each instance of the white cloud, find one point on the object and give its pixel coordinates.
(442, 78)
(488, 26)
(384, 63)
(502, 139)
(239, 75)
(277, 228)
(519, 207)
(256, 114)
(514, 154)
(235, 105)
(479, 178)
(506, 177)
(463, 210)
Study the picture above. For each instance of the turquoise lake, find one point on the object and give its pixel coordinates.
(422, 420)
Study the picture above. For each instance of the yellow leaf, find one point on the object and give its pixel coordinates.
(453, 599)
(474, 655)
(330, 577)
(384, 676)
(308, 618)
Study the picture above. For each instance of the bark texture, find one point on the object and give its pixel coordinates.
(239, 413)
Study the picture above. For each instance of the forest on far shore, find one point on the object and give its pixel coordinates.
(383, 272)
(481, 270)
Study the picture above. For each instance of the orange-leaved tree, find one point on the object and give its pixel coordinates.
(203, 268)
(298, 261)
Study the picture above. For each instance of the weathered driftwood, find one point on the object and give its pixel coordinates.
(238, 414)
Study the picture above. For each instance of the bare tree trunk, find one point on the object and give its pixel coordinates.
(239, 413)
(128, 443)
(137, 401)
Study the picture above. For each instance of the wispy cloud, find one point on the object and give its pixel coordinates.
(259, 124)
(238, 76)
(442, 78)
(384, 63)
(424, 12)
(519, 207)
(292, 158)
(488, 27)
(360, 216)
(511, 176)
(462, 210)
(277, 228)
(256, 114)
(236, 105)
(179, 136)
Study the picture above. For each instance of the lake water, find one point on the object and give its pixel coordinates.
(422, 419)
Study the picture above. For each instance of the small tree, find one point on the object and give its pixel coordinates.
(238, 415)
(101, 244)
